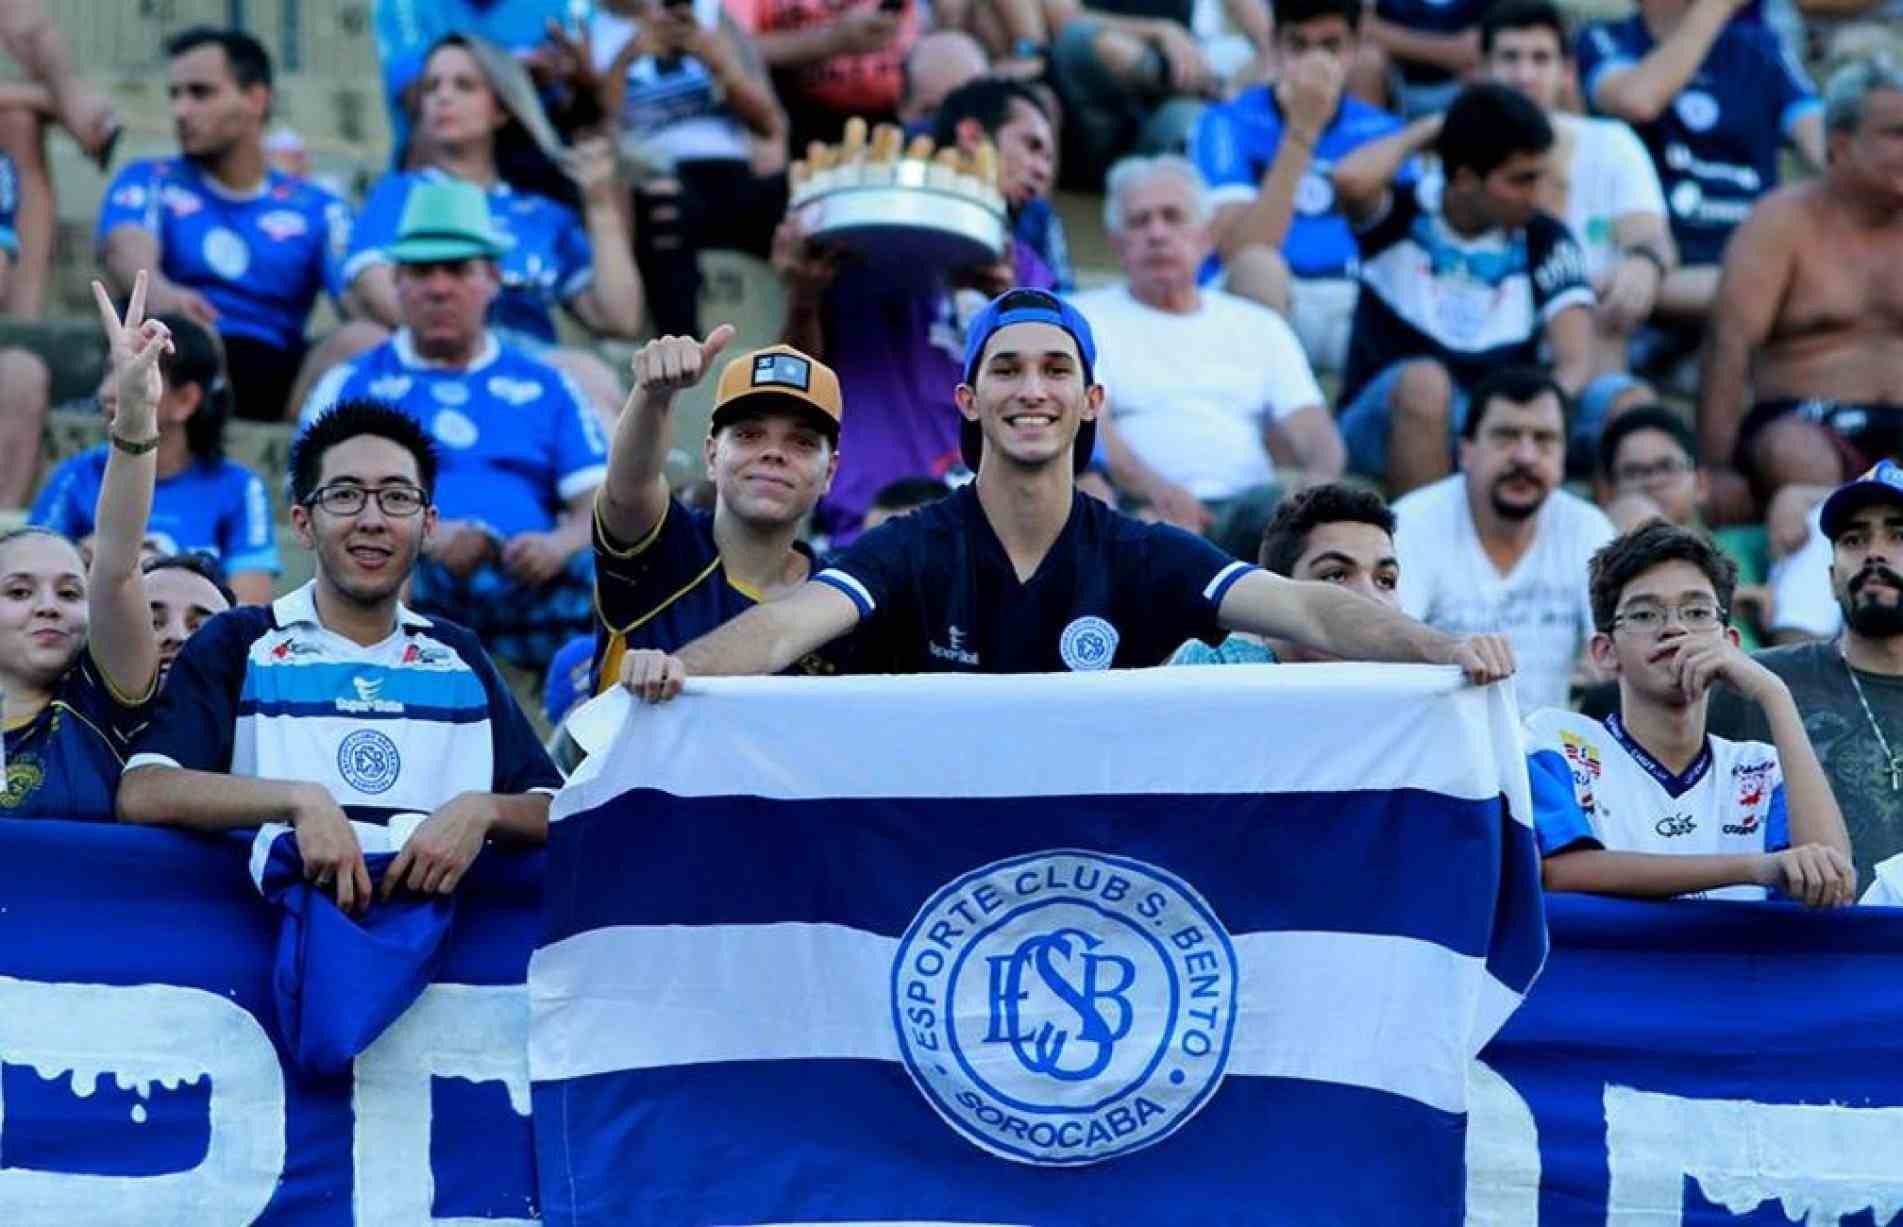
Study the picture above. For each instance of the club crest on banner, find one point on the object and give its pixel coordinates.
(1065, 1007)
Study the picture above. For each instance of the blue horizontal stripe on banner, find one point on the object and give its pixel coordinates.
(1424, 865)
(328, 707)
(837, 1141)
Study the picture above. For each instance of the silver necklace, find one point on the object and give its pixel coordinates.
(1883, 743)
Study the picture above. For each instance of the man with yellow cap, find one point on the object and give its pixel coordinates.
(666, 574)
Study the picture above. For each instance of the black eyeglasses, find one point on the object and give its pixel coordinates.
(400, 502)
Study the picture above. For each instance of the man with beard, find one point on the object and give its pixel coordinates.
(1646, 804)
(240, 248)
(335, 709)
(1498, 547)
(1020, 572)
(1850, 688)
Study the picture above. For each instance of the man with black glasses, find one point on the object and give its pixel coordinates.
(1647, 803)
(336, 710)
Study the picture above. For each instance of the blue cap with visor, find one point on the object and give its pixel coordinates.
(1026, 306)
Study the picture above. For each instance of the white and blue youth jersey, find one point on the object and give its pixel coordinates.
(1595, 787)
(261, 259)
(516, 438)
(401, 726)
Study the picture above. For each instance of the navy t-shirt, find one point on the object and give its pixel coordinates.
(1430, 17)
(65, 762)
(1716, 147)
(938, 594)
(669, 588)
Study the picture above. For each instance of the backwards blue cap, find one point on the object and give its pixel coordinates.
(1027, 306)
(1882, 484)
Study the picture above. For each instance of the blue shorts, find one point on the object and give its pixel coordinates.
(1365, 421)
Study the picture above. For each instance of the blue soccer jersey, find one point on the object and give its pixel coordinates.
(401, 726)
(517, 439)
(937, 593)
(65, 761)
(669, 588)
(1473, 303)
(215, 506)
(260, 259)
(550, 263)
(1716, 147)
(1234, 144)
(1595, 787)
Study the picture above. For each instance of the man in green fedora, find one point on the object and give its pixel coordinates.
(522, 451)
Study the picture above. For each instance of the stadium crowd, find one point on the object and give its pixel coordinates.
(1613, 312)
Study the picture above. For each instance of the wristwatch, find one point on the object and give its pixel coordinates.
(133, 447)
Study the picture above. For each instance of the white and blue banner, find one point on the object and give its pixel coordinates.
(1218, 943)
(143, 1078)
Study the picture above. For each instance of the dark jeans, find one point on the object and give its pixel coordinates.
(721, 204)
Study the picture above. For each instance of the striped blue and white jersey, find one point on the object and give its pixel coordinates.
(401, 726)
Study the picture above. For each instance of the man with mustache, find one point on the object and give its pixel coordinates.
(1850, 688)
(1498, 546)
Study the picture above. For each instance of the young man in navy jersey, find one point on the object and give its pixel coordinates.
(1020, 573)
(336, 709)
(665, 574)
(240, 248)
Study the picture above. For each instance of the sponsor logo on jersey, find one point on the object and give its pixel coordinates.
(369, 699)
(954, 648)
(515, 391)
(1673, 825)
(283, 224)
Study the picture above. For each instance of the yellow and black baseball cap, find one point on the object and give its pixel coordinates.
(780, 377)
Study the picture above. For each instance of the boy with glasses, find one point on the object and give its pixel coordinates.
(336, 709)
(1647, 804)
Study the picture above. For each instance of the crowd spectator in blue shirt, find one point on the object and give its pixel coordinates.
(238, 247)
(1268, 152)
(522, 449)
(556, 257)
(337, 705)
(204, 501)
(1714, 99)
(79, 658)
(25, 383)
(407, 30)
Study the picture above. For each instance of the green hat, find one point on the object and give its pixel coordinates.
(446, 219)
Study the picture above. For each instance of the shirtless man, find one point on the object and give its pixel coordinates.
(1809, 321)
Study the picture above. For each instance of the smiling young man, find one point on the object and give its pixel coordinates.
(666, 574)
(1019, 572)
(1647, 804)
(335, 705)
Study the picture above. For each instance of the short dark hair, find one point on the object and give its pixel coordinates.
(351, 419)
(1522, 15)
(199, 563)
(1519, 384)
(1644, 417)
(908, 493)
(987, 100)
(250, 62)
(1487, 124)
(198, 358)
(1295, 12)
(1624, 558)
(1285, 536)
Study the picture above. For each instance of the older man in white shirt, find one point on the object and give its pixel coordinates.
(1205, 389)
